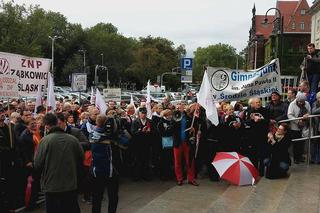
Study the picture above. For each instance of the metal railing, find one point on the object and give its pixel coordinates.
(310, 137)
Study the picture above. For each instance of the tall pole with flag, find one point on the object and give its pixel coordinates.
(148, 102)
(38, 99)
(51, 99)
(100, 103)
(205, 99)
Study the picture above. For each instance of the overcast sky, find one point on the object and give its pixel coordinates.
(196, 23)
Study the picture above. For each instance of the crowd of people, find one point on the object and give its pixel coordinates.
(78, 149)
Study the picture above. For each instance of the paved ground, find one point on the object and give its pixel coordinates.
(298, 193)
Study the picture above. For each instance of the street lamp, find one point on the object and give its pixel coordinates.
(101, 59)
(278, 29)
(53, 38)
(168, 73)
(105, 68)
(84, 58)
(96, 74)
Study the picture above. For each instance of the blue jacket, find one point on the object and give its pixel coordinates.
(101, 154)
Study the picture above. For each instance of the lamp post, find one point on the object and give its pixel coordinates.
(276, 29)
(53, 38)
(105, 68)
(84, 58)
(168, 73)
(96, 74)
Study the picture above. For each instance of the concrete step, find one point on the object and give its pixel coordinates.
(186, 198)
(298, 193)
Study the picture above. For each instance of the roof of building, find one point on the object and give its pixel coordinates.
(290, 11)
(264, 30)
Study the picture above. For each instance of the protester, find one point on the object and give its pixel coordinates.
(304, 88)
(299, 108)
(291, 96)
(165, 129)
(58, 158)
(104, 174)
(315, 146)
(141, 144)
(278, 161)
(28, 144)
(232, 131)
(182, 147)
(257, 121)
(311, 65)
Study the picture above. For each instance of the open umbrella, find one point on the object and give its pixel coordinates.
(235, 168)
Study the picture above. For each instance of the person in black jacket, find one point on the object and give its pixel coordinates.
(311, 64)
(278, 161)
(21, 123)
(233, 130)
(156, 141)
(141, 145)
(165, 128)
(28, 148)
(277, 108)
(257, 124)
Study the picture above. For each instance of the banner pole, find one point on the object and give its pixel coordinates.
(9, 126)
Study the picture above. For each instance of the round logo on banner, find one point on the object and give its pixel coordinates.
(219, 80)
(4, 66)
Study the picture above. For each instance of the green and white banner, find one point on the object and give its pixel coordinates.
(233, 85)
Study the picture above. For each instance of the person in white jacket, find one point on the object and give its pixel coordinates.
(298, 108)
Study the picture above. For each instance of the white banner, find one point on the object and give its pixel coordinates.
(232, 85)
(8, 85)
(31, 73)
(112, 94)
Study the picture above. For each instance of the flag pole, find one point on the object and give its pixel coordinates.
(9, 126)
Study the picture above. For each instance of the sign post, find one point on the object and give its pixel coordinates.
(186, 65)
(79, 83)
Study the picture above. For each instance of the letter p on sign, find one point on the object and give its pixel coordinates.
(186, 63)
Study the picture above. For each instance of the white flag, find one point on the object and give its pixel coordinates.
(100, 103)
(205, 99)
(132, 103)
(51, 102)
(92, 97)
(148, 103)
(38, 99)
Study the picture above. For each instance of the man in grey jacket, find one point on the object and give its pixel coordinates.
(58, 159)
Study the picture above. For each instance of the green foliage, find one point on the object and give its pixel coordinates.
(218, 55)
(26, 30)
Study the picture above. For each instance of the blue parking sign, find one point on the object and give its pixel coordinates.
(186, 63)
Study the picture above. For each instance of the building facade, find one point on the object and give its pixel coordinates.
(285, 36)
(315, 26)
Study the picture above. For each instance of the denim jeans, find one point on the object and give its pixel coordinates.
(314, 82)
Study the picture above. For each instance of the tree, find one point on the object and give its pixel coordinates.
(218, 55)
(154, 56)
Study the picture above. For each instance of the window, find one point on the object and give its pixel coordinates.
(302, 12)
(318, 25)
(293, 26)
(302, 26)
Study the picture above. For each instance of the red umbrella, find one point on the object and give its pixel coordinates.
(28, 191)
(235, 168)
